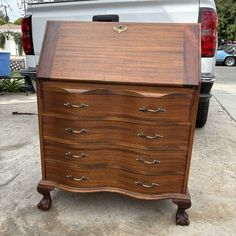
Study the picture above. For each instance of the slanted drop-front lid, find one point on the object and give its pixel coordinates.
(133, 53)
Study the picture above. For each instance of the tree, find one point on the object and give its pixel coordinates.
(227, 19)
(18, 21)
(2, 21)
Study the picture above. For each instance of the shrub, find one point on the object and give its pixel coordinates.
(10, 85)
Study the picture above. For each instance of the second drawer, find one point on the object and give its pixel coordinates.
(117, 134)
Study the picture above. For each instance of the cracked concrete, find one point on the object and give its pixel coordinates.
(212, 183)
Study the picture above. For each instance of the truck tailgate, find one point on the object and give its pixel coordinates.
(171, 11)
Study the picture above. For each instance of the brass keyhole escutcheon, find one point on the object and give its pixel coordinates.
(119, 29)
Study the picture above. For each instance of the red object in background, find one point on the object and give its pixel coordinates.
(27, 40)
(209, 22)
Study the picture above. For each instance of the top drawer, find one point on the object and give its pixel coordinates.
(124, 102)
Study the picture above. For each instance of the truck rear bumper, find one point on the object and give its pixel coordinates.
(30, 76)
(207, 81)
(29, 72)
(205, 97)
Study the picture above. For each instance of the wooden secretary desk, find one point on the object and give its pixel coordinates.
(117, 107)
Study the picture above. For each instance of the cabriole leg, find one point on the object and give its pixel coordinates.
(46, 202)
(181, 214)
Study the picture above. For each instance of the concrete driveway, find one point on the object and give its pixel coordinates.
(225, 89)
(212, 181)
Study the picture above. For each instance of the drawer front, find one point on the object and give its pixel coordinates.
(105, 177)
(120, 134)
(135, 161)
(163, 105)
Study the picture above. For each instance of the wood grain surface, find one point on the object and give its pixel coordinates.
(143, 196)
(191, 137)
(101, 177)
(40, 100)
(126, 103)
(110, 86)
(135, 161)
(120, 134)
(144, 54)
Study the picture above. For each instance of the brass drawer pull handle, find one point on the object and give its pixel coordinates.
(68, 105)
(69, 155)
(148, 162)
(144, 109)
(140, 183)
(76, 179)
(76, 131)
(142, 135)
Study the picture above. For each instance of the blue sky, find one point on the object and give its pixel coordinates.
(14, 13)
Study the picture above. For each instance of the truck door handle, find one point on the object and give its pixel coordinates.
(106, 18)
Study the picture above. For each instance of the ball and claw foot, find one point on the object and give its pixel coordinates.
(181, 214)
(182, 217)
(46, 202)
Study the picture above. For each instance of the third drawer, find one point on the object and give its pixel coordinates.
(133, 160)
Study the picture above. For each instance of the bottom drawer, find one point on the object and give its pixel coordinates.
(108, 177)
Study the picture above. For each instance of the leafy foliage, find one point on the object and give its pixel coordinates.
(18, 42)
(18, 21)
(2, 40)
(17, 39)
(227, 19)
(10, 85)
(2, 21)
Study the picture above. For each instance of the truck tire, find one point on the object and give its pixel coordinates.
(202, 113)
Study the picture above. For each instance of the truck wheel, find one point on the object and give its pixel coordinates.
(230, 61)
(202, 113)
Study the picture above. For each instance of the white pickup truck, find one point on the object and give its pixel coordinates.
(165, 11)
